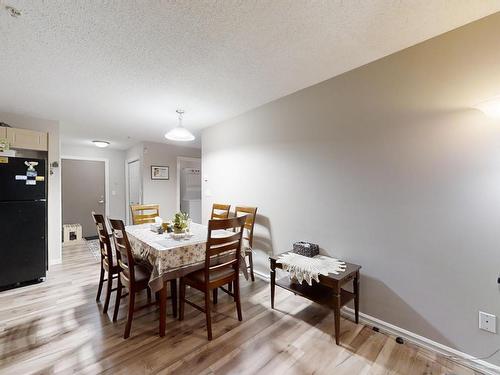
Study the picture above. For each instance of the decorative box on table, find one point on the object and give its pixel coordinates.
(306, 249)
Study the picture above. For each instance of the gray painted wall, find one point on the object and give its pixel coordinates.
(149, 153)
(389, 167)
(163, 192)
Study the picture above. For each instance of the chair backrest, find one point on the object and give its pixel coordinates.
(226, 244)
(144, 213)
(251, 214)
(123, 252)
(104, 239)
(220, 211)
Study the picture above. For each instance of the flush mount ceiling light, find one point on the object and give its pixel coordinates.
(180, 133)
(490, 107)
(101, 144)
(13, 11)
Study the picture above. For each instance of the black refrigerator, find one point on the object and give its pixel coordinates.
(23, 220)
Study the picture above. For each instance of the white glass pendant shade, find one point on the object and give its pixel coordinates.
(490, 107)
(180, 133)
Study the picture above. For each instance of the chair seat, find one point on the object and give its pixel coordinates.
(221, 273)
(142, 274)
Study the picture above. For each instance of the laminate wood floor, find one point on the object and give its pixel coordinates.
(57, 327)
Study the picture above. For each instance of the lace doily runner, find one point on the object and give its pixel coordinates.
(303, 268)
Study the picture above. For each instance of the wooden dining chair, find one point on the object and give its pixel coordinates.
(251, 214)
(134, 277)
(220, 211)
(222, 262)
(108, 261)
(144, 213)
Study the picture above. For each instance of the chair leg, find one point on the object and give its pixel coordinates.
(148, 291)
(118, 299)
(101, 281)
(250, 261)
(173, 294)
(108, 293)
(230, 287)
(237, 297)
(130, 316)
(163, 309)
(182, 298)
(207, 314)
(214, 295)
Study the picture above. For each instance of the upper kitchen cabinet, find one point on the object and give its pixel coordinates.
(3, 132)
(26, 139)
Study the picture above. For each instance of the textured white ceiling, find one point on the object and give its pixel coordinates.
(117, 70)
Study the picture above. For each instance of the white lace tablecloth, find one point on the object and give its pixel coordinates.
(302, 268)
(169, 258)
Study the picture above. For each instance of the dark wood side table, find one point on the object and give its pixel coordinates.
(327, 292)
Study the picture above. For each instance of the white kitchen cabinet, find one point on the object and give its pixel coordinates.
(27, 139)
(3, 132)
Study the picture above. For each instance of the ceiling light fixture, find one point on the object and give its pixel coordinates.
(13, 11)
(101, 144)
(180, 133)
(490, 107)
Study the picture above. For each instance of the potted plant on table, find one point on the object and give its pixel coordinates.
(181, 224)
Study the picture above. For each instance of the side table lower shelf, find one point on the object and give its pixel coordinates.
(317, 292)
(328, 292)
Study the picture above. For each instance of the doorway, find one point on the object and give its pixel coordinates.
(189, 187)
(83, 185)
(134, 185)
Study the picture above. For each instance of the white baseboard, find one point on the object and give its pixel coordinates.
(261, 275)
(458, 356)
(53, 262)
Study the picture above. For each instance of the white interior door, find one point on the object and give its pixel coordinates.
(134, 185)
(189, 187)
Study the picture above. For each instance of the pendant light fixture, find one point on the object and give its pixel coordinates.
(490, 107)
(180, 133)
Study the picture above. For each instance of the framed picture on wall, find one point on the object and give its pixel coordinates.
(159, 172)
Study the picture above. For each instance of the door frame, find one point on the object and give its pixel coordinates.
(106, 177)
(178, 182)
(127, 189)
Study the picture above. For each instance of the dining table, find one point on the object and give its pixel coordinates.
(169, 257)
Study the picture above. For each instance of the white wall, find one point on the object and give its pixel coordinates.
(116, 162)
(135, 152)
(386, 166)
(54, 181)
(163, 192)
